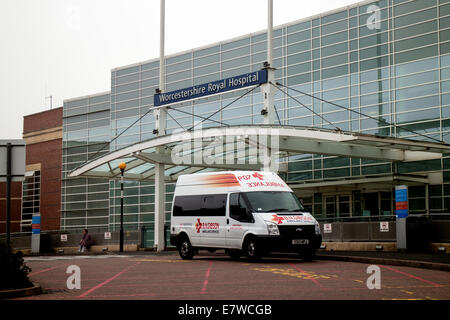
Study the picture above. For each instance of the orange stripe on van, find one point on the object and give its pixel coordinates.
(221, 180)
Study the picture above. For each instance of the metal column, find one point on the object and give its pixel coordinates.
(160, 129)
(122, 167)
(268, 90)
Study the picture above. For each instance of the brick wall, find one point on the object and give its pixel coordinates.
(16, 206)
(46, 150)
(42, 120)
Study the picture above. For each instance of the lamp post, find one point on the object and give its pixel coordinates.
(122, 167)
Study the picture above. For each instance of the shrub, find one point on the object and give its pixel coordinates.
(13, 271)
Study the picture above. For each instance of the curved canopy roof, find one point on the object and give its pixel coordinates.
(240, 148)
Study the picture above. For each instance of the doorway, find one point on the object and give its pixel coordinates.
(370, 204)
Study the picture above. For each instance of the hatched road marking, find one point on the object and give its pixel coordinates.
(306, 275)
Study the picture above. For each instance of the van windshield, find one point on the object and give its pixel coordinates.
(270, 201)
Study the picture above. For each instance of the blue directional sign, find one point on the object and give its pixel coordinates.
(401, 201)
(36, 224)
(215, 87)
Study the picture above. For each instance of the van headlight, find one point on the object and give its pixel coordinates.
(272, 229)
(317, 228)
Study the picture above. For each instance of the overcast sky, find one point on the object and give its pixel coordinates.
(67, 48)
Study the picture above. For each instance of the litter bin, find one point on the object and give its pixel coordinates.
(418, 233)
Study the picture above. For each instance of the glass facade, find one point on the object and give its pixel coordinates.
(387, 59)
(86, 134)
(31, 199)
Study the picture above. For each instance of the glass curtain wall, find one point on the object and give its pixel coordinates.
(387, 62)
(86, 135)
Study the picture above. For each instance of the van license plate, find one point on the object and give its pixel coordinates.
(300, 241)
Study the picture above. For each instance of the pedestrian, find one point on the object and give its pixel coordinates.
(85, 241)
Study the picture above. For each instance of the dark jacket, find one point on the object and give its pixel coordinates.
(86, 241)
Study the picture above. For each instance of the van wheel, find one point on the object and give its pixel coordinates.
(252, 250)
(234, 254)
(185, 249)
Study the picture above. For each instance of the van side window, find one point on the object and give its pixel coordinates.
(214, 205)
(187, 206)
(200, 205)
(238, 208)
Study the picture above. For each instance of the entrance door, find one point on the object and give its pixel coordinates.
(370, 203)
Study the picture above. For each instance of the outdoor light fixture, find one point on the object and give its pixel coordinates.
(266, 64)
(322, 246)
(263, 112)
(379, 247)
(60, 251)
(122, 167)
(441, 249)
(155, 131)
(105, 249)
(157, 91)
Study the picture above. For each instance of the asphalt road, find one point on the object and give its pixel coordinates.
(216, 276)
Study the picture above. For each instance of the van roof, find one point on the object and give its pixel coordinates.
(228, 181)
(237, 172)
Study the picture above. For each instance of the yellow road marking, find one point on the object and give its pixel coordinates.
(429, 298)
(426, 297)
(360, 281)
(408, 292)
(157, 260)
(403, 299)
(413, 286)
(307, 275)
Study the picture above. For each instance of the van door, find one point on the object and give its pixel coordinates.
(212, 223)
(240, 219)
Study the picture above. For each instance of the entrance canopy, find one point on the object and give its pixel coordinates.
(242, 147)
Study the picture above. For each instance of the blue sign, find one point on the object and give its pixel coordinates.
(401, 201)
(220, 86)
(401, 195)
(36, 224)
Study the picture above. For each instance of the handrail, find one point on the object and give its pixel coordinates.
(369, 218)
(377, 217)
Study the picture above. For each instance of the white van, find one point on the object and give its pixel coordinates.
(243, 212)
